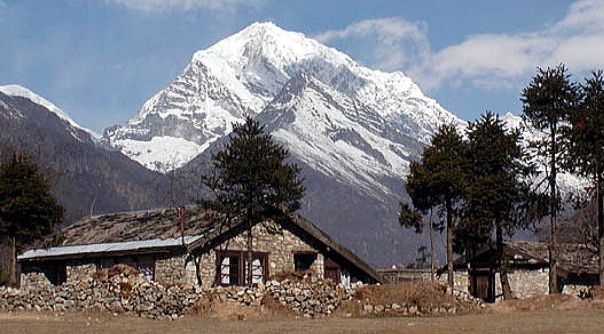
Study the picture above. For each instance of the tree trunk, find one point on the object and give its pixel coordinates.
(431, 247)
(11, 275)
(503, 264)
(600, 227)
(249, 254)
(553, 244)
(450, 270)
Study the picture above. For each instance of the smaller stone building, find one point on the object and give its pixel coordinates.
(191, 246)
(528, 264)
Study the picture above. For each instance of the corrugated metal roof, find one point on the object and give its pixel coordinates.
(105, 247)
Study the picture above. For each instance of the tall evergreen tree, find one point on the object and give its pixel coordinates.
(251, 180)
(420, 189)
(27, 209)
(586, 148)
(495, 187)
(437, 181)
(547, 103)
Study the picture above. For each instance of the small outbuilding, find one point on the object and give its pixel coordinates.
(191, 246)
(528, 265)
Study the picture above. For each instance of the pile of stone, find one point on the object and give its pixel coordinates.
(123, 290)
(408, 310)
(243, 296)
(119, 290)
(306, 295)
(462, 302)
(309, 296)
(469, 300)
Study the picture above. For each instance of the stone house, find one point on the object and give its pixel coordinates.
(209, 252)
(528, 264)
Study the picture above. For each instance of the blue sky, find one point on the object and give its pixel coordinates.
(100, 60)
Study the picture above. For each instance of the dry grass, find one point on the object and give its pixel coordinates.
(426, 294)
(212, 307)
(548, 321)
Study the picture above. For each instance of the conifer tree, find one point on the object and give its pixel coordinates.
(419, 187)
(495, 187)
(27, 209)
(547, 103)
(437, 181)
(251, 180)
(586, 148)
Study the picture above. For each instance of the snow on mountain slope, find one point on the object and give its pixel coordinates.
(20, 91)
(247, 71)
(323, 128)
(147, 152)
(567, 182)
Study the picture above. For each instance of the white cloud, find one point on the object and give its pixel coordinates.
(488, 60)
(149, 6)
(397, 42)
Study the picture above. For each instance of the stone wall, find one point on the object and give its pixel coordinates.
(400, 275)
(77, 272)
(460, 278)
(34, 279)
(172, 269)
(281, 247)
(525, 283)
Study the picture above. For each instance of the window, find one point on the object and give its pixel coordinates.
(304, 260)
(229, 270)
(231, 267)
(259, 268)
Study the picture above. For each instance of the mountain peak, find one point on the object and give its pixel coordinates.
(264, 64)
(20, 91)
(266, 42)
(266, 26)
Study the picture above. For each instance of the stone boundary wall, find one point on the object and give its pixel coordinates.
(413, 310)
(400, 275)
(122, 290)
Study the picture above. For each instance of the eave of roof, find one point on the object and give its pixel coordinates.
(78, 251)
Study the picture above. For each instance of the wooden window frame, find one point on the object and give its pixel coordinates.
(242, 258)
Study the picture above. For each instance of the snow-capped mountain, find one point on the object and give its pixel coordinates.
(246, 72)
(354, 130)
(85, 176)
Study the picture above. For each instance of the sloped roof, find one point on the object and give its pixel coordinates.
(145, 231)
(134, 226)
(573, 258)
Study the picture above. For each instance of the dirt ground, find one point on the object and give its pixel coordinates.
(506, 320)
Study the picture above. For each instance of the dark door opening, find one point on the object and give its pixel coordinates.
(483, 285)
(332, 270)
